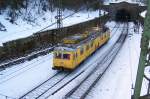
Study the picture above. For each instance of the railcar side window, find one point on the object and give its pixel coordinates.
(76, 55)
(66, 56)
(58, 55)
(87, 47)
(81, 51)
(92, 44)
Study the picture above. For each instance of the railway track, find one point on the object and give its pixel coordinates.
(83, 88)
(32, 56)
(56, 82)
(26, 58)
(51, 83)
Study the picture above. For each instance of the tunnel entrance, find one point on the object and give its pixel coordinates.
(123, 15)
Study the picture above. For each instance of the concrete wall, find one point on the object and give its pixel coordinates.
(133, 9)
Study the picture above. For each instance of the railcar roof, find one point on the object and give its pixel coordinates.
(64, 48)
(72, 47)
(75, 37)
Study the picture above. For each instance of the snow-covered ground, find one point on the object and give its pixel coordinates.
(19, 79)
(24, 29)
(119, 78)
(115, 84)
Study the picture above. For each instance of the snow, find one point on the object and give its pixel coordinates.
(24, 77)
(119, 78)
(117, 81)
(145, 81)
(18, 81)
(93, 60)
(143, 14)
(115, 84)
(107, 2)
(24, 29)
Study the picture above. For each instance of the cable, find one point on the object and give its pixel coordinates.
(68, 16)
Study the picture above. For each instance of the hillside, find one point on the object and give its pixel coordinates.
(29, 16)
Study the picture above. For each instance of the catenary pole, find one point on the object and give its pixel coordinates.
(144, 51)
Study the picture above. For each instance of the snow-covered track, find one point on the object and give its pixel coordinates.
(42, 88)
(115, 29)
(51, 83)
(57, 82)
(37, 54)
(77, 73)
(26, 58)
(81, 90)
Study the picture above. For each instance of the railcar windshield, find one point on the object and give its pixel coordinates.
(59, 55)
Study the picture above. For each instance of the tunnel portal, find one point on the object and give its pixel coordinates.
(123, 15)
(124, 11)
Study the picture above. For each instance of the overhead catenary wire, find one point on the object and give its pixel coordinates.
(82, 8)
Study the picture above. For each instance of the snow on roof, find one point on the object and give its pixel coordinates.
(61, 48)
(119, 1)
(72, 47)
(143, 14)
(75, 37)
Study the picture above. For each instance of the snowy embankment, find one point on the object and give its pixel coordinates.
(24, 29)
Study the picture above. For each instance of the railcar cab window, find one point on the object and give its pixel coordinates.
(92, 44)
(62, 56)
(66, 56)
(58, 55)
(76, 55)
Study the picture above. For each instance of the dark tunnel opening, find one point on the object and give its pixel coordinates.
(123, 15)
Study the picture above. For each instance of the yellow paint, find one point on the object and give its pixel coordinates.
(77, 57)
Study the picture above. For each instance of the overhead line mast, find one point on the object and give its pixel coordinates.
(144, 52)
(59, 15)
(59, 20)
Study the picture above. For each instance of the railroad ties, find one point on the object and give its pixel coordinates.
(80, 91)
(92, 73)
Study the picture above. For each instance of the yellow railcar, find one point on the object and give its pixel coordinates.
(76, 49)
